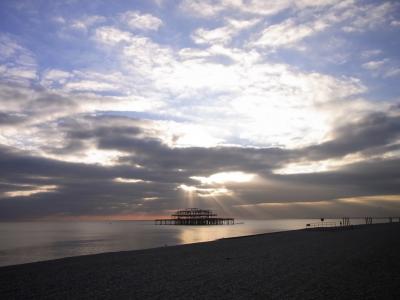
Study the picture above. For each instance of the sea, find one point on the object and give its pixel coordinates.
(25, 242)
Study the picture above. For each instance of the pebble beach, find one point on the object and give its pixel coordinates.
(358, 263)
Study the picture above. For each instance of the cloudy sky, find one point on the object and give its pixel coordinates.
(258, 109)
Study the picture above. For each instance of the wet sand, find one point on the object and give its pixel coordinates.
(362, 263)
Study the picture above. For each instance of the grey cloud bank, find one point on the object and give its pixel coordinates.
(87, 189)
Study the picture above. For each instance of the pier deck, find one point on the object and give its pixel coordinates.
(196, 221)
(195, 216)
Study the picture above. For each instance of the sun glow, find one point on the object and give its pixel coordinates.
(90, 156)
(218, 179)
(102, 157)
(225, 177)
(127, 180)
(205, 192)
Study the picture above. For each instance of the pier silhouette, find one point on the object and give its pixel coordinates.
(195, 216)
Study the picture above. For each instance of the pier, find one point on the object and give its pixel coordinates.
(344, 222)
(195, 216)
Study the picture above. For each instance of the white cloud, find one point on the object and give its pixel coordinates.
(17, 64)
(395, 23)
(201, 8)
(111, 35)
(218, 35)
(59, 19)
(286, 33)
(384, 68)
(247, 94)
(374, 64)
(265, 8)
(363, 18)
(138, 52)
(318, 17)
(84, 23)
(17, 74)
(248, 100)
(137, 20)
(53, 77)
(319, 3)
(371, 53)
(89, 85)
(223, 34)
(159, 2)
(210, 8)
(309, 19)
(392, 72)
(272, 97)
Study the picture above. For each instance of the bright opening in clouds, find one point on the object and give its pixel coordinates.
(265, 108)
(225, 177)
(204, 192)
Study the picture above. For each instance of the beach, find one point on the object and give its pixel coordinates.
(358, 263)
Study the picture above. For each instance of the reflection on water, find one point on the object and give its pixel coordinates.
(36, 241)
(192, 234)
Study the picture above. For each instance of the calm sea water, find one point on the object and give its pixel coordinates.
(25, 242)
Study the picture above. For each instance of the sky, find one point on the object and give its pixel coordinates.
(256, 109)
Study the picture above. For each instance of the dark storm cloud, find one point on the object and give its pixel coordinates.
(367, 173)
(201, 161)
(377, 177)
(20, 165)
(87, 189)
(81, 188)
(374, 131)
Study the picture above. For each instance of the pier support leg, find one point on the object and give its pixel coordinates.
(345, 221)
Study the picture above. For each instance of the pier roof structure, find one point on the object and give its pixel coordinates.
(194, 213)
(195, 216)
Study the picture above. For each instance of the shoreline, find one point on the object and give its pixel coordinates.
(48, 249)
(358, 263)
(155, 248)
(170, 245)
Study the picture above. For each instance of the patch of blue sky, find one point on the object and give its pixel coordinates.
(387, 89)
